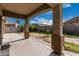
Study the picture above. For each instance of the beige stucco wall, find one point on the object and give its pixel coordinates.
(71, 28)
(10, 29)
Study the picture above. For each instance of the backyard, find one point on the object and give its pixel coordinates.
(69, 46)
(71, 41)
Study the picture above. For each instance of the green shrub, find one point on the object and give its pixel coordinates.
(20, 28)
(32, 27)
(72, 47)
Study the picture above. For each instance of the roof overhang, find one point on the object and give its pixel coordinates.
(20, 10)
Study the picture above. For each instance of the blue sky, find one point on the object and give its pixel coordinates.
(13, 20)
(68, 11)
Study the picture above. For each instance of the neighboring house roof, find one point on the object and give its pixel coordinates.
(71, 20)
(43, 25)
(11, 24)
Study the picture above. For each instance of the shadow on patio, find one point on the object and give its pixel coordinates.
(12, 45)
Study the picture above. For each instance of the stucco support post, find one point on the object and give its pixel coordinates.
(0, 30)
(0, 25)
(3, 26)
(26, 29)
(57, 41)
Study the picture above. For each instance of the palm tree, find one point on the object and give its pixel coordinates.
(17, 21)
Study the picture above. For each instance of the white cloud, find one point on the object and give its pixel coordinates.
(44, 21)
(68, 18)
(66, 5)
(32, 22)
(49, 12)
(50, 21)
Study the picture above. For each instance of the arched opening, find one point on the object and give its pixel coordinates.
(40, 27)
(57, 39)
(12, 27)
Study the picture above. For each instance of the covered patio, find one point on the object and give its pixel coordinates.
(18, 46)
(28, 10)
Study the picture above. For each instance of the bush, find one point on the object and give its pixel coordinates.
(20, 28)
(32, 27)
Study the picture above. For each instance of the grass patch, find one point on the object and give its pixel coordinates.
(71, 47)
(72, 36)
(44, 33)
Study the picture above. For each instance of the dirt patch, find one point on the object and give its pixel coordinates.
(43, 37)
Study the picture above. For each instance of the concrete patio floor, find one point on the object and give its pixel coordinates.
(27, 47)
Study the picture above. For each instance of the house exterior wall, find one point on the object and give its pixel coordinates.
(44, 28)
(10, 28)
(71, 27)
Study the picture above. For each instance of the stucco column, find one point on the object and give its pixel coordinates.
(3, 27)
(0, 25)
(0, 30)
(57, 41)
(26, 29)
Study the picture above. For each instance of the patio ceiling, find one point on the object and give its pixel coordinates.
(24, 9)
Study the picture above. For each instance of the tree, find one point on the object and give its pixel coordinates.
(32, 27)
(20, 28)
(17, 21)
